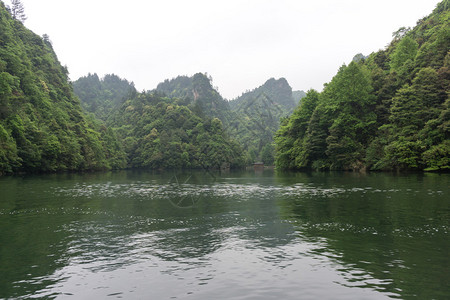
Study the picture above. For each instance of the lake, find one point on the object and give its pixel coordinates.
(230, 235)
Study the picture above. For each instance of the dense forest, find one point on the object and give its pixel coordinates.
(257, 115)
(158, 133)
(387, 111)
(42, 126)
(177, 125)
(251, 119)
(198, 94)
(102, 96)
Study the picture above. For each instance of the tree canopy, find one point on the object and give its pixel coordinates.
(42, 126)
(387, 111)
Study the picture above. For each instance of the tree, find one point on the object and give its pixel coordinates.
(405, 50)
(18, 11)
(401, 32)
(350, 103)
(267, 154)
(290, 138)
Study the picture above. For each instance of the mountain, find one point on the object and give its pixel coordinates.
(102, 96)
(198, 93)
(275, 93)
(42, 126)
(257, 116)
(385, 111)
(158, 133)
(297, 96)
(175, 126)
(251, 119)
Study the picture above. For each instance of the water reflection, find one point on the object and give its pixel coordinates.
(264, 235)
(388, 235)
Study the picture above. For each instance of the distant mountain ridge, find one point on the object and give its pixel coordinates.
(250, 119)
(101, 96)
(277, 92)
(297, 96)
(198, 93)
(258, 113)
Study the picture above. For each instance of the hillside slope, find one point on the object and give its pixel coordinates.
(387, 111)
(102, 96)
(157, 133)
(198, 94)
(42, 127)
(257, 116)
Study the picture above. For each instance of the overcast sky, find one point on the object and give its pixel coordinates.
(240, 43)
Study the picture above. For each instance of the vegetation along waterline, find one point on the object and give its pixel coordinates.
(389, 110)
(385, 111)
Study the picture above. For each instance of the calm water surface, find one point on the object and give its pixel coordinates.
(238, 235)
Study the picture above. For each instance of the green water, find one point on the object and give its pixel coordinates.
(237, 235)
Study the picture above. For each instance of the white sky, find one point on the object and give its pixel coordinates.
(240, 43)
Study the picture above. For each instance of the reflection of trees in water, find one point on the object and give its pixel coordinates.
(33, 242)
(214, 211)
(386, 235)
(109, 221)
(117, 220)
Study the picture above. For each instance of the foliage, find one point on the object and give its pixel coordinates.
(198, 94)
(257, 115)
(406, 50)
(382, 112)
(252, 119)
(293, 132)
(102, 96)
(160, 134)
(42, 127)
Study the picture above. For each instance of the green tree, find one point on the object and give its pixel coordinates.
(290, 152)
(404, 51)
(311, 151)
(267, 154)
(350, 101)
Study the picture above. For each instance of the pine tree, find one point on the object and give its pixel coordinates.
(18, 11)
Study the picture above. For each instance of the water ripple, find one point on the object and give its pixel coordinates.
(170, 190)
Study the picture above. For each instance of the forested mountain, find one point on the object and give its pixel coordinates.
(159, 133)
(175, 126)
(277, 93)
(198, 94)
(251, 119)
(101, 96)
(42, 127)
(257, 116)
(297, 96)
(387, 111)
